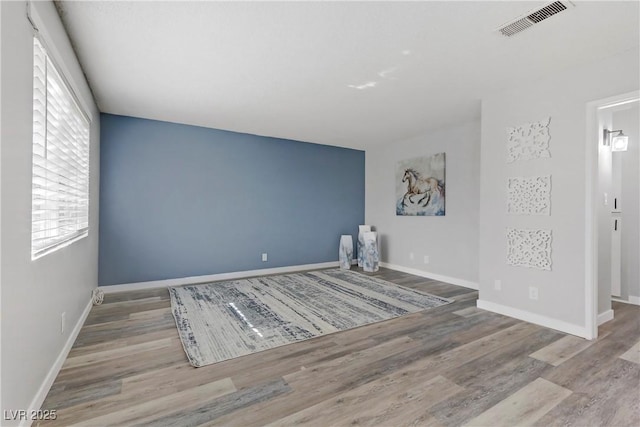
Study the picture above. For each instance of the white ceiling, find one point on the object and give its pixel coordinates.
(338, 73)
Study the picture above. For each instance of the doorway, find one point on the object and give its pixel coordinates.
(625, 269)
(613, 206)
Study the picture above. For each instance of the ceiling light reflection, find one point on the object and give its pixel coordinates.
(363, 86)
(385, 73)
(242, 316)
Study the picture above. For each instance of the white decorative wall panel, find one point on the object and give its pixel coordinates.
(529, 195)
(528, 141)
(529, 248)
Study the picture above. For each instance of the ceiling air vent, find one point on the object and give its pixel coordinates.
(533, 17)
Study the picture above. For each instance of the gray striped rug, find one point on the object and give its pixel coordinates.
(220, 321)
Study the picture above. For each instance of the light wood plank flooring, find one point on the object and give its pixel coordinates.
(449, 366)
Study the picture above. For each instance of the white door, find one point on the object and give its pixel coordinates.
(616, 264)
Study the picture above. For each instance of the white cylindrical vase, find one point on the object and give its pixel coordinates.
(345, 254)
(361, 229)
(371, 258)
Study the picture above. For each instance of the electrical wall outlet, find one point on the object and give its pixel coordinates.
(497, 285)
(264, 257)
(411, 256)
(63, 321)
(533, 292)
(426, 259)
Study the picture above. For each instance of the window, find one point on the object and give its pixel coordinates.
(60, 188)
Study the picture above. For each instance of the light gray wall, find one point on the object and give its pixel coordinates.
(564, 98)
(450, 241)
(35, 293)
(628, 120)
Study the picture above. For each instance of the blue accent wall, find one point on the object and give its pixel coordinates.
(179, 200)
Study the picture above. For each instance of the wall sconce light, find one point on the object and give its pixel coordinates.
(620, 142)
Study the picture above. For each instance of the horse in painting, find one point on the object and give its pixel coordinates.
(417, 185)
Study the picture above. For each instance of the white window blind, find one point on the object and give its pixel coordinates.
(60, 188)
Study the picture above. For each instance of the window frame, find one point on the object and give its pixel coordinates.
(60, 188)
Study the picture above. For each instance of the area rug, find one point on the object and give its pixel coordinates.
(220, 321)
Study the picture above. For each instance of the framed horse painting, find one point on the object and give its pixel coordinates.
(420, 186)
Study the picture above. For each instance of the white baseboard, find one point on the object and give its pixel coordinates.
(428, 275)
(605, 317)
(214, 277)
(37, 401)
(548, 322)
(632, 300)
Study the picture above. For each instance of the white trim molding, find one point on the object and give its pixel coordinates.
(108, 289)
(632, 300)
(605, 317)
(447, 279)
(38, 400)
(527, 316)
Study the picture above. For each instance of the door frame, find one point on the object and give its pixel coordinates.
(593, 140)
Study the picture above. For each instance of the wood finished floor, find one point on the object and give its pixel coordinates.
(448, 366)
